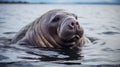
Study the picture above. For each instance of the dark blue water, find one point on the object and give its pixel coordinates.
(100, 22)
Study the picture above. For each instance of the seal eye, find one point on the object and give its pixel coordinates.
(56, 19)
(76, 17)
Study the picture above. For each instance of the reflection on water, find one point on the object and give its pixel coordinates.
(101, 24)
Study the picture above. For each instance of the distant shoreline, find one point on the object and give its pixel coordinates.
(13, 2)
(60, 3)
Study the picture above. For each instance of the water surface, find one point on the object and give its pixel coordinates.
(100, 22)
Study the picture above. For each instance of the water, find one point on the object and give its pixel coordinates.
(100, 22)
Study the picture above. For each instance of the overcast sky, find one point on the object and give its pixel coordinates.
(63, 1)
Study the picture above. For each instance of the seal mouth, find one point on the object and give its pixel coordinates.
(74, 38)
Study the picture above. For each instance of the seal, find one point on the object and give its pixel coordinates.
(56, 28)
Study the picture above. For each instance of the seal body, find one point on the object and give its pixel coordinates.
(55, 29)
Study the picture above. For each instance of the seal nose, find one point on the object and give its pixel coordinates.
(74, 25)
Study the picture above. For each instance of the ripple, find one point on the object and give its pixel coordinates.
(9, 32)
(99, 42)
(109, 33)
(92, 39)
(68, 62)
(2, 18)
(5, 40)
(3, 57)
(107, 49)
(1, 22)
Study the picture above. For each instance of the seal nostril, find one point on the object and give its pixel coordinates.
(72, 23)
(77, 23)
